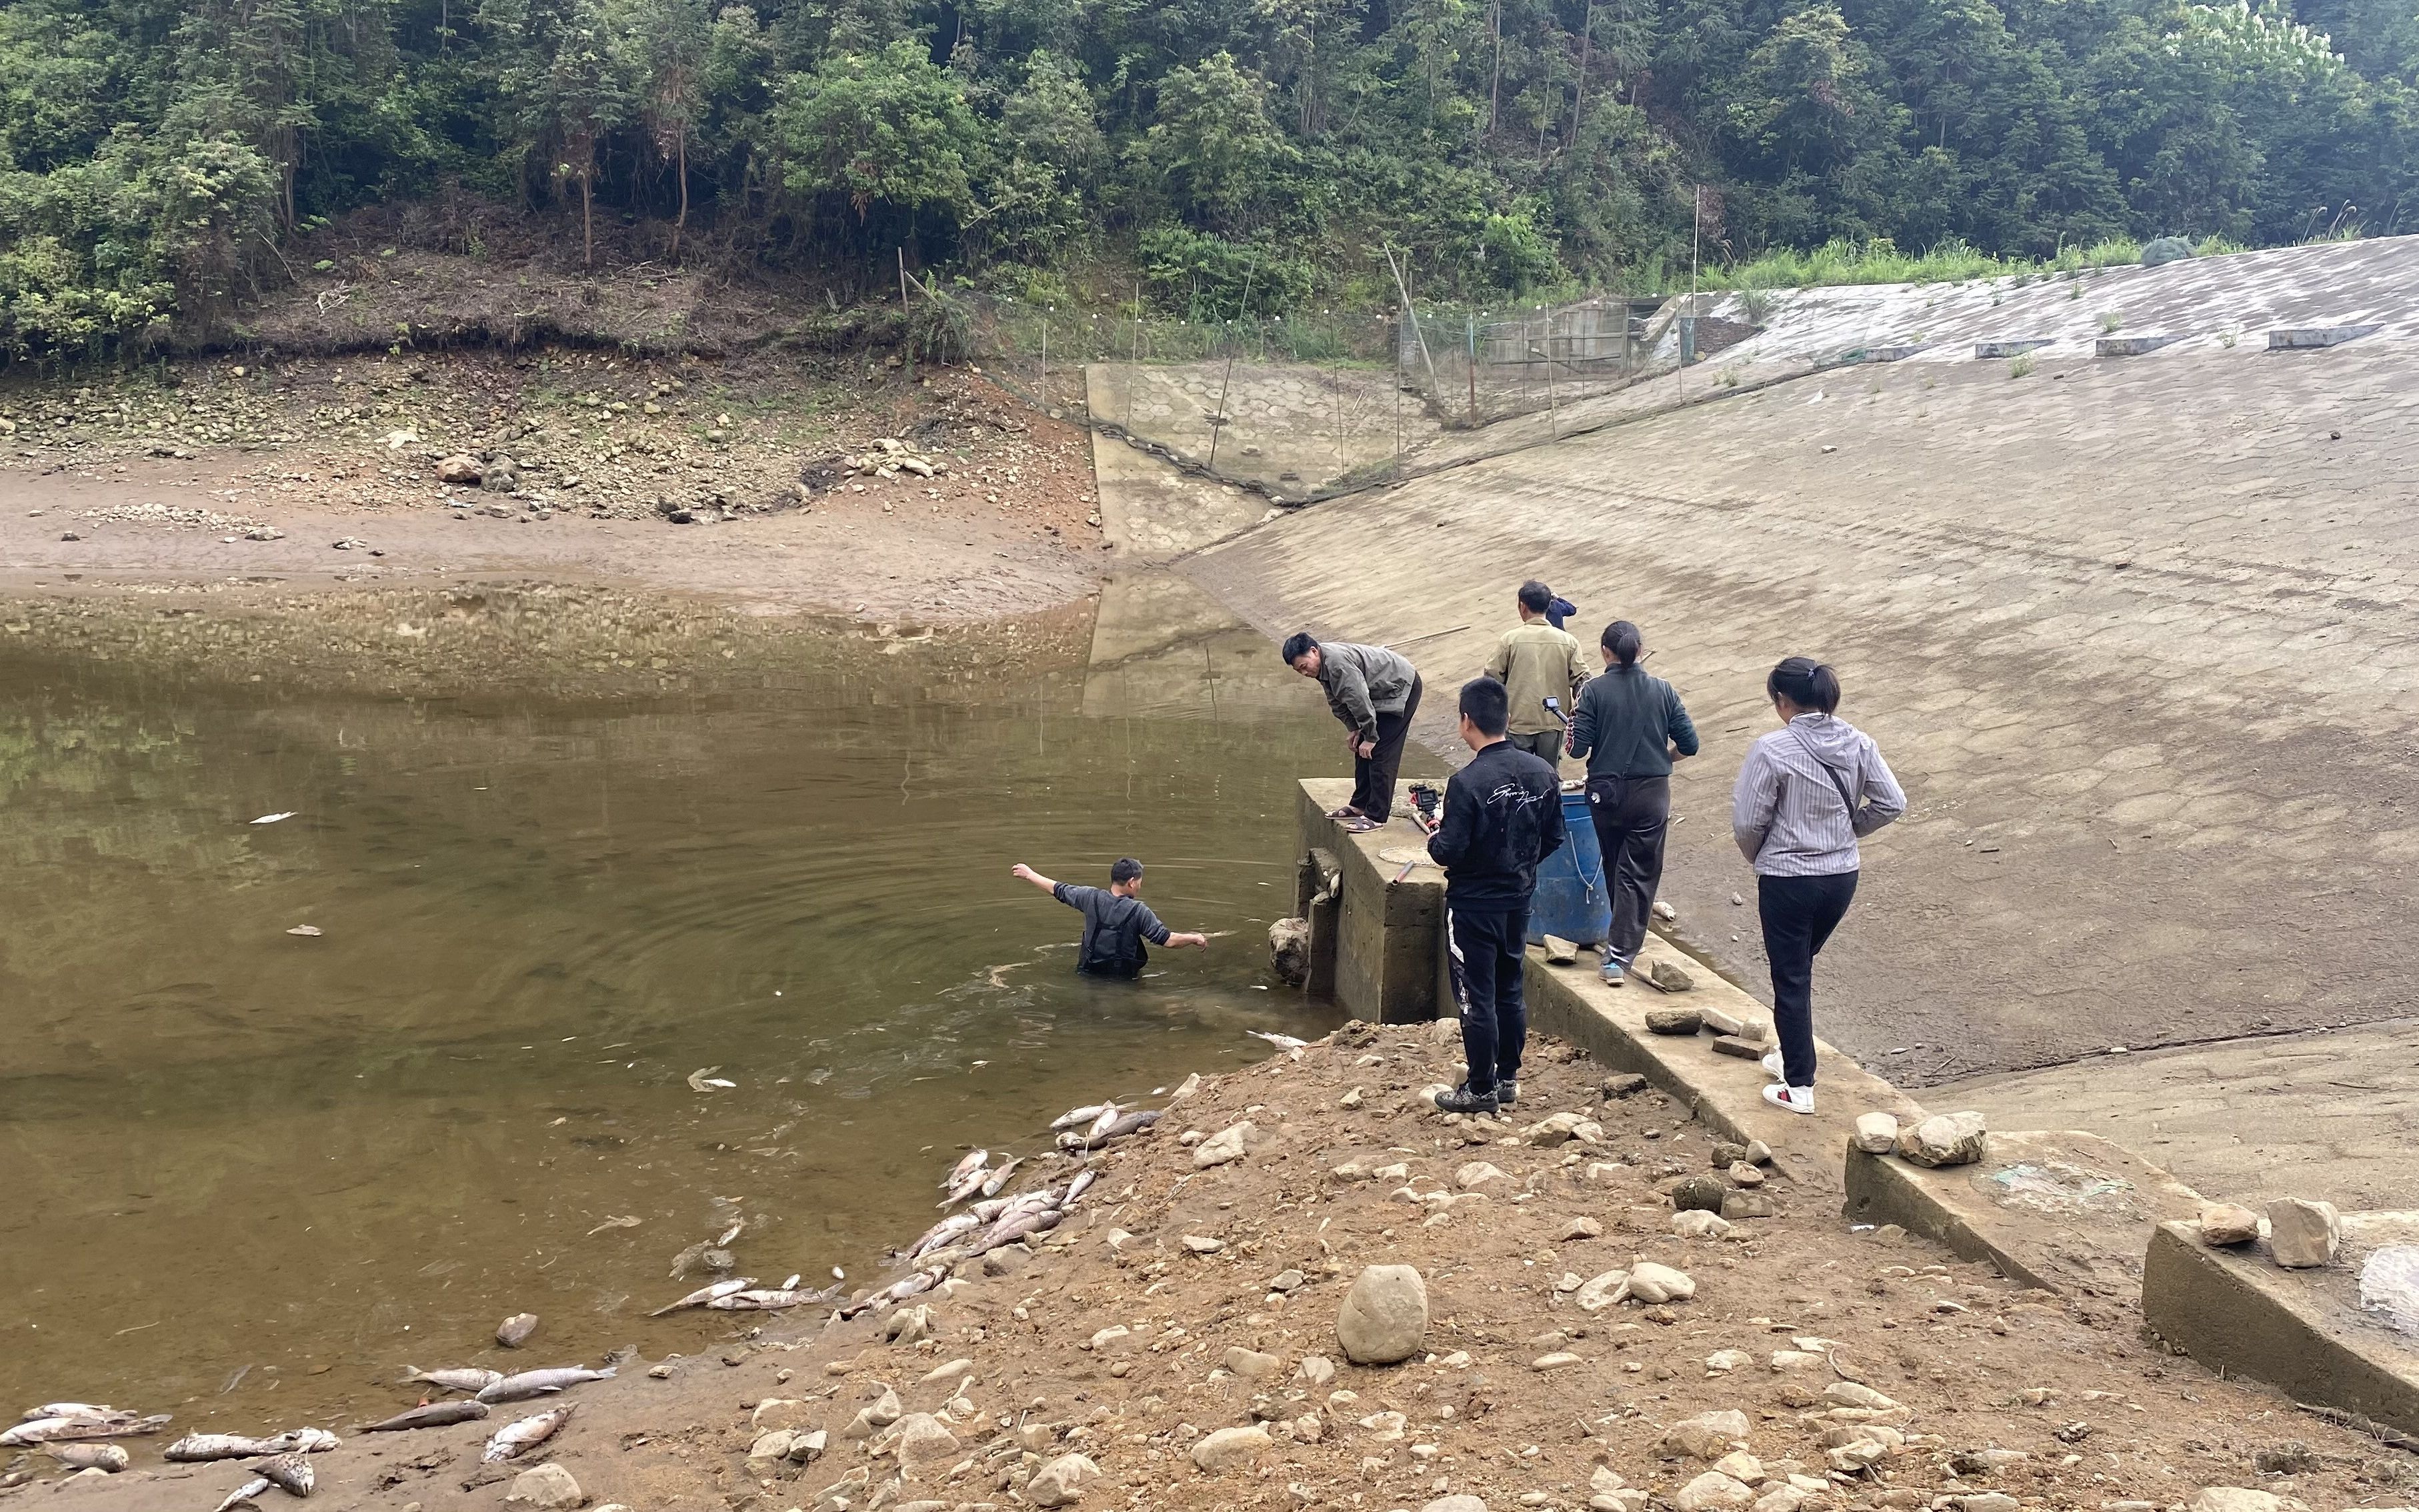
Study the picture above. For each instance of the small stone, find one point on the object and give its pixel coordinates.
(1559, 951)
(1289, 950)
(806, 1448)
(779, 1413)
(1251, 1364)
(1652, 1282)
(1712, 1491)
(1758, 1153)
(1385, 1316)
(1746, 1175)
(1350, 1100)
(1062, 1481)
(1731, 1045)
(1988, 1502)
(1782, 1498)
(1459, 1502)
(1203, 1245)
(1231, 1449)
(1722, 1020)
(2228, 1222)
(1877, 1133)
(514, 1330)
(1741, 1466)
(1738, 1203)
(1558, 1360)
(1784, 1361)
(1857, 1394)
(1674, 1021)
(1696, 1223)
(1704, 1192)
(548, 1487)
(1628, 1084)
(461, 468)
(2302, 1233)
(2234, 1499)
(1480, 1176)
(768, 1452)
(1707, 1436)
(1595, 1295)
(1287, 1280)
(1669, 978)
(1985, 1461)
(1226, 1145)
(1316, 1371)
(923, 1441)
(1581, 1228)
(1944, 1139)
(1722, 1362)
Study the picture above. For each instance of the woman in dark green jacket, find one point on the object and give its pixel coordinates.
(1630, 728)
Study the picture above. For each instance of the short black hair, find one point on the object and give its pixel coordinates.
(1810, 683)
(1296, 644)
(1535, 596)
(1489, 704)
(1125, 870)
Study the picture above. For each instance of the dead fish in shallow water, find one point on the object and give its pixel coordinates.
(89, 1409)
(770, 1300)
(291, 1473)
(967, 1186)
(195, 1447)
(434, 1415)
(998, 1179)
(469, 1378)
(942, 1232)
(1009, 1230)
(915, 1285)
(1283, 1042)
(1128, 1123)
(244, 1492)
(57, 1429)
(515, 1439)
(973, 1161)
(107, 1457)
(1075, 1116)
(514, 1330)
(702, 1296)
(541, 1383)
(1110, 1112)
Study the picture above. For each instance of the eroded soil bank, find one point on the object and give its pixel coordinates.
(1179, 1303)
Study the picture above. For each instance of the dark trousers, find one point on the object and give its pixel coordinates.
(1373, 776)
(1632, 815)
(1798, 913)
(1547, 746)
(1488, 946)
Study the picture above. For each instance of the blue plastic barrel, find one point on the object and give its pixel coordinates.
(1572, 899)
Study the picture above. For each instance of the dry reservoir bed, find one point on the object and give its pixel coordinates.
(1179, 1332)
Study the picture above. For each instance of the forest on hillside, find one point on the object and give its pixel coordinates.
(154, 157)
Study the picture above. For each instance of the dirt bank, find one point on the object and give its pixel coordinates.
(683, 475)
(1179, 1301)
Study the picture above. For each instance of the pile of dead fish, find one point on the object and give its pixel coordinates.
(480, 1390)
(69, 1433)
(284, 1460)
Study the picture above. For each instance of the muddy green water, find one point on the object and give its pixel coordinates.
(253, 1175)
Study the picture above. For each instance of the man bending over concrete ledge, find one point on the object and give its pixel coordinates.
(1116, 922)
(1502, 815)
(1374, 692)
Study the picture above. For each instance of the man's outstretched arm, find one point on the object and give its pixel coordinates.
(1035, 877)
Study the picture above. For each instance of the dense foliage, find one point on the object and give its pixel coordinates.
(154, 157)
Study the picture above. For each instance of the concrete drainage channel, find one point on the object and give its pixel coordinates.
(2337, 1329)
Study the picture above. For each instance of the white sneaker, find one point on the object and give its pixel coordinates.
(1795, 1098)
(1772, 1064)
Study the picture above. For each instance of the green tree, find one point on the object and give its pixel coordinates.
(887, 129)
(1216, 153)
(662, 48)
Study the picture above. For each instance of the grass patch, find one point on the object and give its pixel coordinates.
(1881, 261)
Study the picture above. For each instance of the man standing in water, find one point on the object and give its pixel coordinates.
(1372, 691)
(1502, 815)
(1116, 922)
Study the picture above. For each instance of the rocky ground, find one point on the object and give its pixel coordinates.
(1188, 1339)
(766, 480)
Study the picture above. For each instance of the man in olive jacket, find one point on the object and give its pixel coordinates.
(1374, 692)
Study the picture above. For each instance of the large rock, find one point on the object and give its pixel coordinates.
(1652, 1283)
(1712, 1491)
(1250, 1363)
(1231, 1449)
(1228, 1143)
(2301, 1233)
(461, 469)
(2235, 1499)
(1707, 1436)
(780, 1413)
(923, 1441)
(1385, 1316)
(1602, 1293)
(548, 1487)
(1458, 1501)
(1289, 950)
(1877, 1133)
(770, 1450)
(1944, 1139)
(872, 1420)
(1482, 1175)
(1699, 1193)
(2229, 1223)
(1062, 1481)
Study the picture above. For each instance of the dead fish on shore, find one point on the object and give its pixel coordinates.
(57, 1429)
(244, 1492)
(915, 1285)
(769, 1300)
(291, 1473)
(1009, 1230)
(91, 1410)
(702, 1297)
(468, 1377)
(1125, 1124)
(434, 1415)
(1109, 1114)
(966, 1186)
(107, 1457)
(196, 1448)
(942, 1232)
(1072, 1117)
(531, 1383)
(973, 1161)
(514, 1330)
(998, 1179)
(1283, 1042)
(1081, 1185)
(515, 1439)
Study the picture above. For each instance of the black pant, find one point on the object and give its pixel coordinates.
(1488, 946)
(1798, 913)
(1546, 746)
(1632, 815)
(1373, 776)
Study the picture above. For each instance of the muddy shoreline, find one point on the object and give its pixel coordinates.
(1186, 1304)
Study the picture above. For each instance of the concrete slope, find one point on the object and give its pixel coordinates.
(2137, 636)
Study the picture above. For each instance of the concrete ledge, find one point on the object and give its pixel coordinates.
(2016, 347)
(1388, 932)
(2064, 1211)
(2131, 346)
(2302, 1332)
(2312, 338)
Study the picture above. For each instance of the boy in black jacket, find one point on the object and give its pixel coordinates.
(1502, 815)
